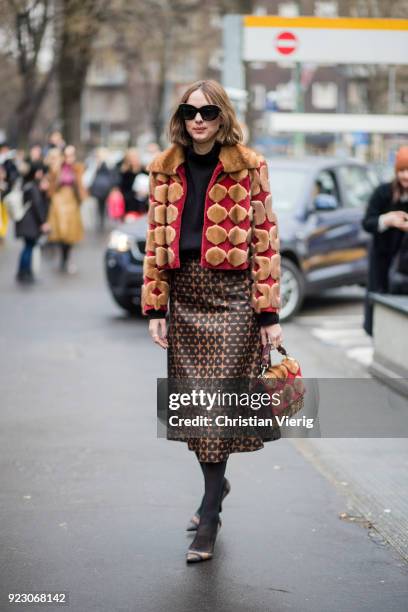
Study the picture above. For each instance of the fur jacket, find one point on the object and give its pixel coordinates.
(240, 227)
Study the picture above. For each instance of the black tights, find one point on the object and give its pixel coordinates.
(209, 509)
(213, 473)
(65, 253)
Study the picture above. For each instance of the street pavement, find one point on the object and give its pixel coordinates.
(93, 503)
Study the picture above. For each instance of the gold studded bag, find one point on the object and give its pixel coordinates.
(284, 379)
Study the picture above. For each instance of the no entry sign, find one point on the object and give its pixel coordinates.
(286, 43)
(324, 40)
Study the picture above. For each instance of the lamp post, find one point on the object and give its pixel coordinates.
(299, 137)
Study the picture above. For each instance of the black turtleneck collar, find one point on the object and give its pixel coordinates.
(205, 159)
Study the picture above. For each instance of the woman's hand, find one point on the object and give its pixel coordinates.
(158, 331)
(271, 334)
(395, 218)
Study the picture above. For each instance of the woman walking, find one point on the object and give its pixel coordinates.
(386, 219)
(210, 208)
(33, 224)
(130, 170)
(67, 193)
(102, 184)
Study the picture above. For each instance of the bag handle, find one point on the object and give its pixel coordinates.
(266, 353)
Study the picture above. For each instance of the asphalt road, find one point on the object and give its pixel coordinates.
(92, 503)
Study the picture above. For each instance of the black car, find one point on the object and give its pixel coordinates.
(319, 202)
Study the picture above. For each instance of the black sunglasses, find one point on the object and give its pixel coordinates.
(209, 112)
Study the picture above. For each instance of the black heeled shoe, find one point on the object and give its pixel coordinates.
(195, 520)
(196, 556)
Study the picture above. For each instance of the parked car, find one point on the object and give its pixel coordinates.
(384, 172)
(319, 203)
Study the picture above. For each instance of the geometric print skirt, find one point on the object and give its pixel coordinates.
(213, 332)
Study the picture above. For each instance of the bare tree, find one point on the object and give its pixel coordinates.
(243, 7)
(26, 24)
(79, 23)
(154, 30)
(142, 26)
(152, 36)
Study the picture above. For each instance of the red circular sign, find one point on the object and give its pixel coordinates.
(286, 43)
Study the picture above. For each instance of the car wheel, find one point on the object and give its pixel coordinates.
(127, 304)
(292, 289)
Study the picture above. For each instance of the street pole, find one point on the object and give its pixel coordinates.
(168, 85)
(299, 137)
(233, 73)
(167, 59)
(392, 88)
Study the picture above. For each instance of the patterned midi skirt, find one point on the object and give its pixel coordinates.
(213, 332)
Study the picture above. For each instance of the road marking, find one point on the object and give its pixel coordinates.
(362, 354)
(344, 332)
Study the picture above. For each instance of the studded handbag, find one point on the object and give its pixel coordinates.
(283, 382)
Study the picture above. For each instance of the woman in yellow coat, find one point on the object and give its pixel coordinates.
(66, 193)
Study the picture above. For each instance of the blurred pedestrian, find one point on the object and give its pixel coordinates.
(4, 218)
(33, 224)
(55, 141)
(53, 160)
(25, 161)
(35, 154)
(386, 219)
(102, 183)
(130, 169)
(10, 170)
(67, 193)
(149, 153)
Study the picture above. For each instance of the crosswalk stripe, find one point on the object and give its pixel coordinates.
(339, 333)
(344, 332)
(332, 321)
(362, 354)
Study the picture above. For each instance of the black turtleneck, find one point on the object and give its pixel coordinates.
(199, 169)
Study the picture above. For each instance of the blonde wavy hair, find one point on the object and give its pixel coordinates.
(230, 132)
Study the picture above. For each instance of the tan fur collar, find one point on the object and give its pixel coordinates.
(234, 158)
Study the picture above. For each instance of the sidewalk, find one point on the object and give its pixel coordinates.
(371, 472)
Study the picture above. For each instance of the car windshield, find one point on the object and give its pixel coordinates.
(286, 185)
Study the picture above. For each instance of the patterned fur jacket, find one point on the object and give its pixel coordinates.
(240, 228)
